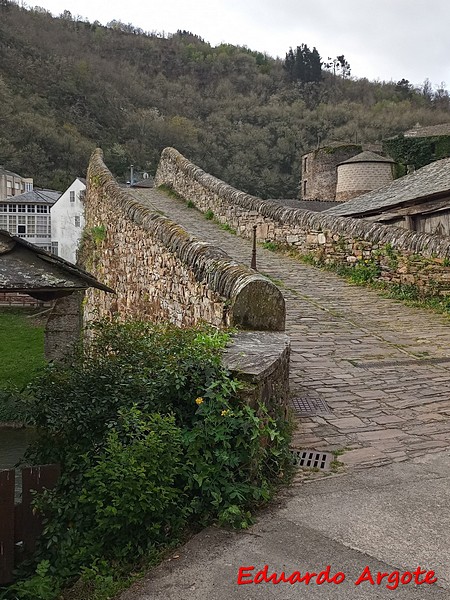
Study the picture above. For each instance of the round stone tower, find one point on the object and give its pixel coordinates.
(363, 173)
(319, 170)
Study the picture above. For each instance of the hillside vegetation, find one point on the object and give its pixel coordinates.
(67, 85)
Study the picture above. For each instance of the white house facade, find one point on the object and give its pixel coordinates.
(68, 221)
(28, 216)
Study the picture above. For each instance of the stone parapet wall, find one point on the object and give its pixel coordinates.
(161, 273)
(261, 360)
(409, 257)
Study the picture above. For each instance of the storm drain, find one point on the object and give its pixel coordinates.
(307, 407)
(311, 459)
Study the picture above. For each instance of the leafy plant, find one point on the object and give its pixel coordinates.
(209, 215)
(152, 436)
(272, 246)
(98, 234)
(41, 586)
(234, 455)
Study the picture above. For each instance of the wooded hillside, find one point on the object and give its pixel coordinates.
(67, 85)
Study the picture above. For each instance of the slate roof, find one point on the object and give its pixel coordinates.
(431, 181)
(313, 205)
(26, 268)
(430, 131)
(36, 196)
(144, 183)
(4, 171)
(367, 156)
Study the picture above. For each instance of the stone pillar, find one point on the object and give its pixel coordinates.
(63, 326)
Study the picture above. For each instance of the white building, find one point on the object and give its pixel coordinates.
(28, 216)
(68, 221)
(12, 184)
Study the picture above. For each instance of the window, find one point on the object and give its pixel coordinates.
(41, 226)
(72, 196)
(31, 225)
(28, 187)
(3, 221)
(21, 208)
(55, 248)
(11, 208)
(3, 208)
(304, 188)
(77, 221)
(21, 229)
(41, 209)
(17, 186)
(305, 162)
(31, 208)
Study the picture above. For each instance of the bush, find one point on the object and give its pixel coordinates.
(156, 367)
(13, 406)
(125, 502)
(233, 458)
(152, 438)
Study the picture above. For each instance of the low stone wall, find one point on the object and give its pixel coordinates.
(404, 256)
(161, 273)
(261, 361)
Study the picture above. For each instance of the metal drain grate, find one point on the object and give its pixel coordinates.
(312, 459)
(306, 407)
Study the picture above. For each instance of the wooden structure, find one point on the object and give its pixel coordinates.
(418, 202)
(20, 526)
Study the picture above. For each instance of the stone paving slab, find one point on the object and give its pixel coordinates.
(366, 356)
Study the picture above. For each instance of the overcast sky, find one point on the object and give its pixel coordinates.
(381, 39)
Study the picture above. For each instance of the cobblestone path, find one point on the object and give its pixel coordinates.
(383, 368)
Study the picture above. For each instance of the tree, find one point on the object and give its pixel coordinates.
(338, 66)
(303, 65)
(404, 89)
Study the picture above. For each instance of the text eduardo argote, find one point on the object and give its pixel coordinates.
(392, 580)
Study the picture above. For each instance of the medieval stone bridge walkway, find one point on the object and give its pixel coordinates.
(382, 367)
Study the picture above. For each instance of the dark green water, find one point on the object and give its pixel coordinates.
(13, 443)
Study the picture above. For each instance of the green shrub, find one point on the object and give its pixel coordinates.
(156, 367)
(209, 215)
(14, 406)
(234, 456)
(365, 271)
(118, 504)
(152, 437)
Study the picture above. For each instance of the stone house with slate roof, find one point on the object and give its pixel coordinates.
(419, 201)
(27, 269)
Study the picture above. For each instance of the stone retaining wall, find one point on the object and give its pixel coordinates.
(261, 360)
(161, 273)
(404, 256)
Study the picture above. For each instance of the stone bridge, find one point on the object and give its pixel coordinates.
(382, 368)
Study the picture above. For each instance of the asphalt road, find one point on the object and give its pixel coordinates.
(387, 518)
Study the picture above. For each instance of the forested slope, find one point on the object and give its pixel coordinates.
(67, 86)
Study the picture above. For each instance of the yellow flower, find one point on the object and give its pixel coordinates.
(224, 413)
(199, 401)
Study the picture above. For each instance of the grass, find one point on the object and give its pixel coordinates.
(226, 227)
(22, 348)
